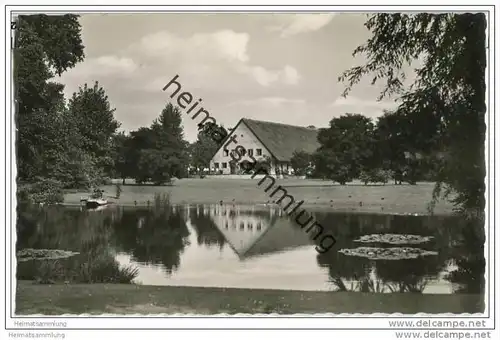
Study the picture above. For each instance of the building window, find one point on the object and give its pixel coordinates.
(224, 165)
(250, 152)
(226, 153)
(259, 152)
(216, 165)
(242, 151)
(242, 225)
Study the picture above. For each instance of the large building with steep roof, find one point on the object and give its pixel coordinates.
(275, 141)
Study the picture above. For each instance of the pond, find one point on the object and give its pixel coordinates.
(250, 247)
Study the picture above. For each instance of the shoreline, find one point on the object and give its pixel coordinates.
(317, 196)
(142, 299)
(348, 208)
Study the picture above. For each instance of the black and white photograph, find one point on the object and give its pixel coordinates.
(243, 162)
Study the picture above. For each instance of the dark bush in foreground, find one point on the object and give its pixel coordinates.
(44, 191)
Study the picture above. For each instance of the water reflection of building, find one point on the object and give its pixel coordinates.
(252, 232)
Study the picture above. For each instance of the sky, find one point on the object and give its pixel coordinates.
(274, 67)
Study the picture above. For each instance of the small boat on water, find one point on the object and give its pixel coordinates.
(92, 203)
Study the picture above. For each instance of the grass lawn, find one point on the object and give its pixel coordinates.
(353, 197)
(133, 299)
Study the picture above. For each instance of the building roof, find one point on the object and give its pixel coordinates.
(283, 140)
(277, 234)
(282, 235)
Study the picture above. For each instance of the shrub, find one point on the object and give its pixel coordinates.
(365, 177)
(375, 176)
(301, 162)
(341, 175)
(381, 176)
(106, 181)
(43, 191)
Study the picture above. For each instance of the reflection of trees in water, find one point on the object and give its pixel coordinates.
(86, 232)
(156, 235)
(207, 232)
(343, 268)
(468, 255)
(384, 275)
(56, 227)
(408, 275)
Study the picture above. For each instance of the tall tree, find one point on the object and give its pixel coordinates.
(345, 148)
(44, 46)
(407, 142)
(122, 155)
(210, 138)
(450, 84)
(159, 152)
(170, 140)
(92, 112)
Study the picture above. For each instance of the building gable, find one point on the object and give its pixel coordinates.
(237, 129)
(280, 141)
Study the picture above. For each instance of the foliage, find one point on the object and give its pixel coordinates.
(161, 237)
(341, 175)
(402, 140)
(210, 137)
(45, 46)
(346, 147)
(468, 255)
(55, 143)
(375, 176)
(156, 153)
(263, 163)
(155, 166)
(121, 144)
(449, 85)
(46, 227)
(301, 162)
(91, 110)
(42, 191)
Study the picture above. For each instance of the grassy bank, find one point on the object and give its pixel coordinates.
(132, 299)
(353, 197)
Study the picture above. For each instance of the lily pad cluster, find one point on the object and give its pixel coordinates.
(395, 253)
(394, 239)
(28, 254)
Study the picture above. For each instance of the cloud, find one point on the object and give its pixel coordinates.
(302, 23)
(291, 75)
(369, 108)
(107, 65)
(203, 60)
(209, 55)
(224, 44)
(268, 101)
